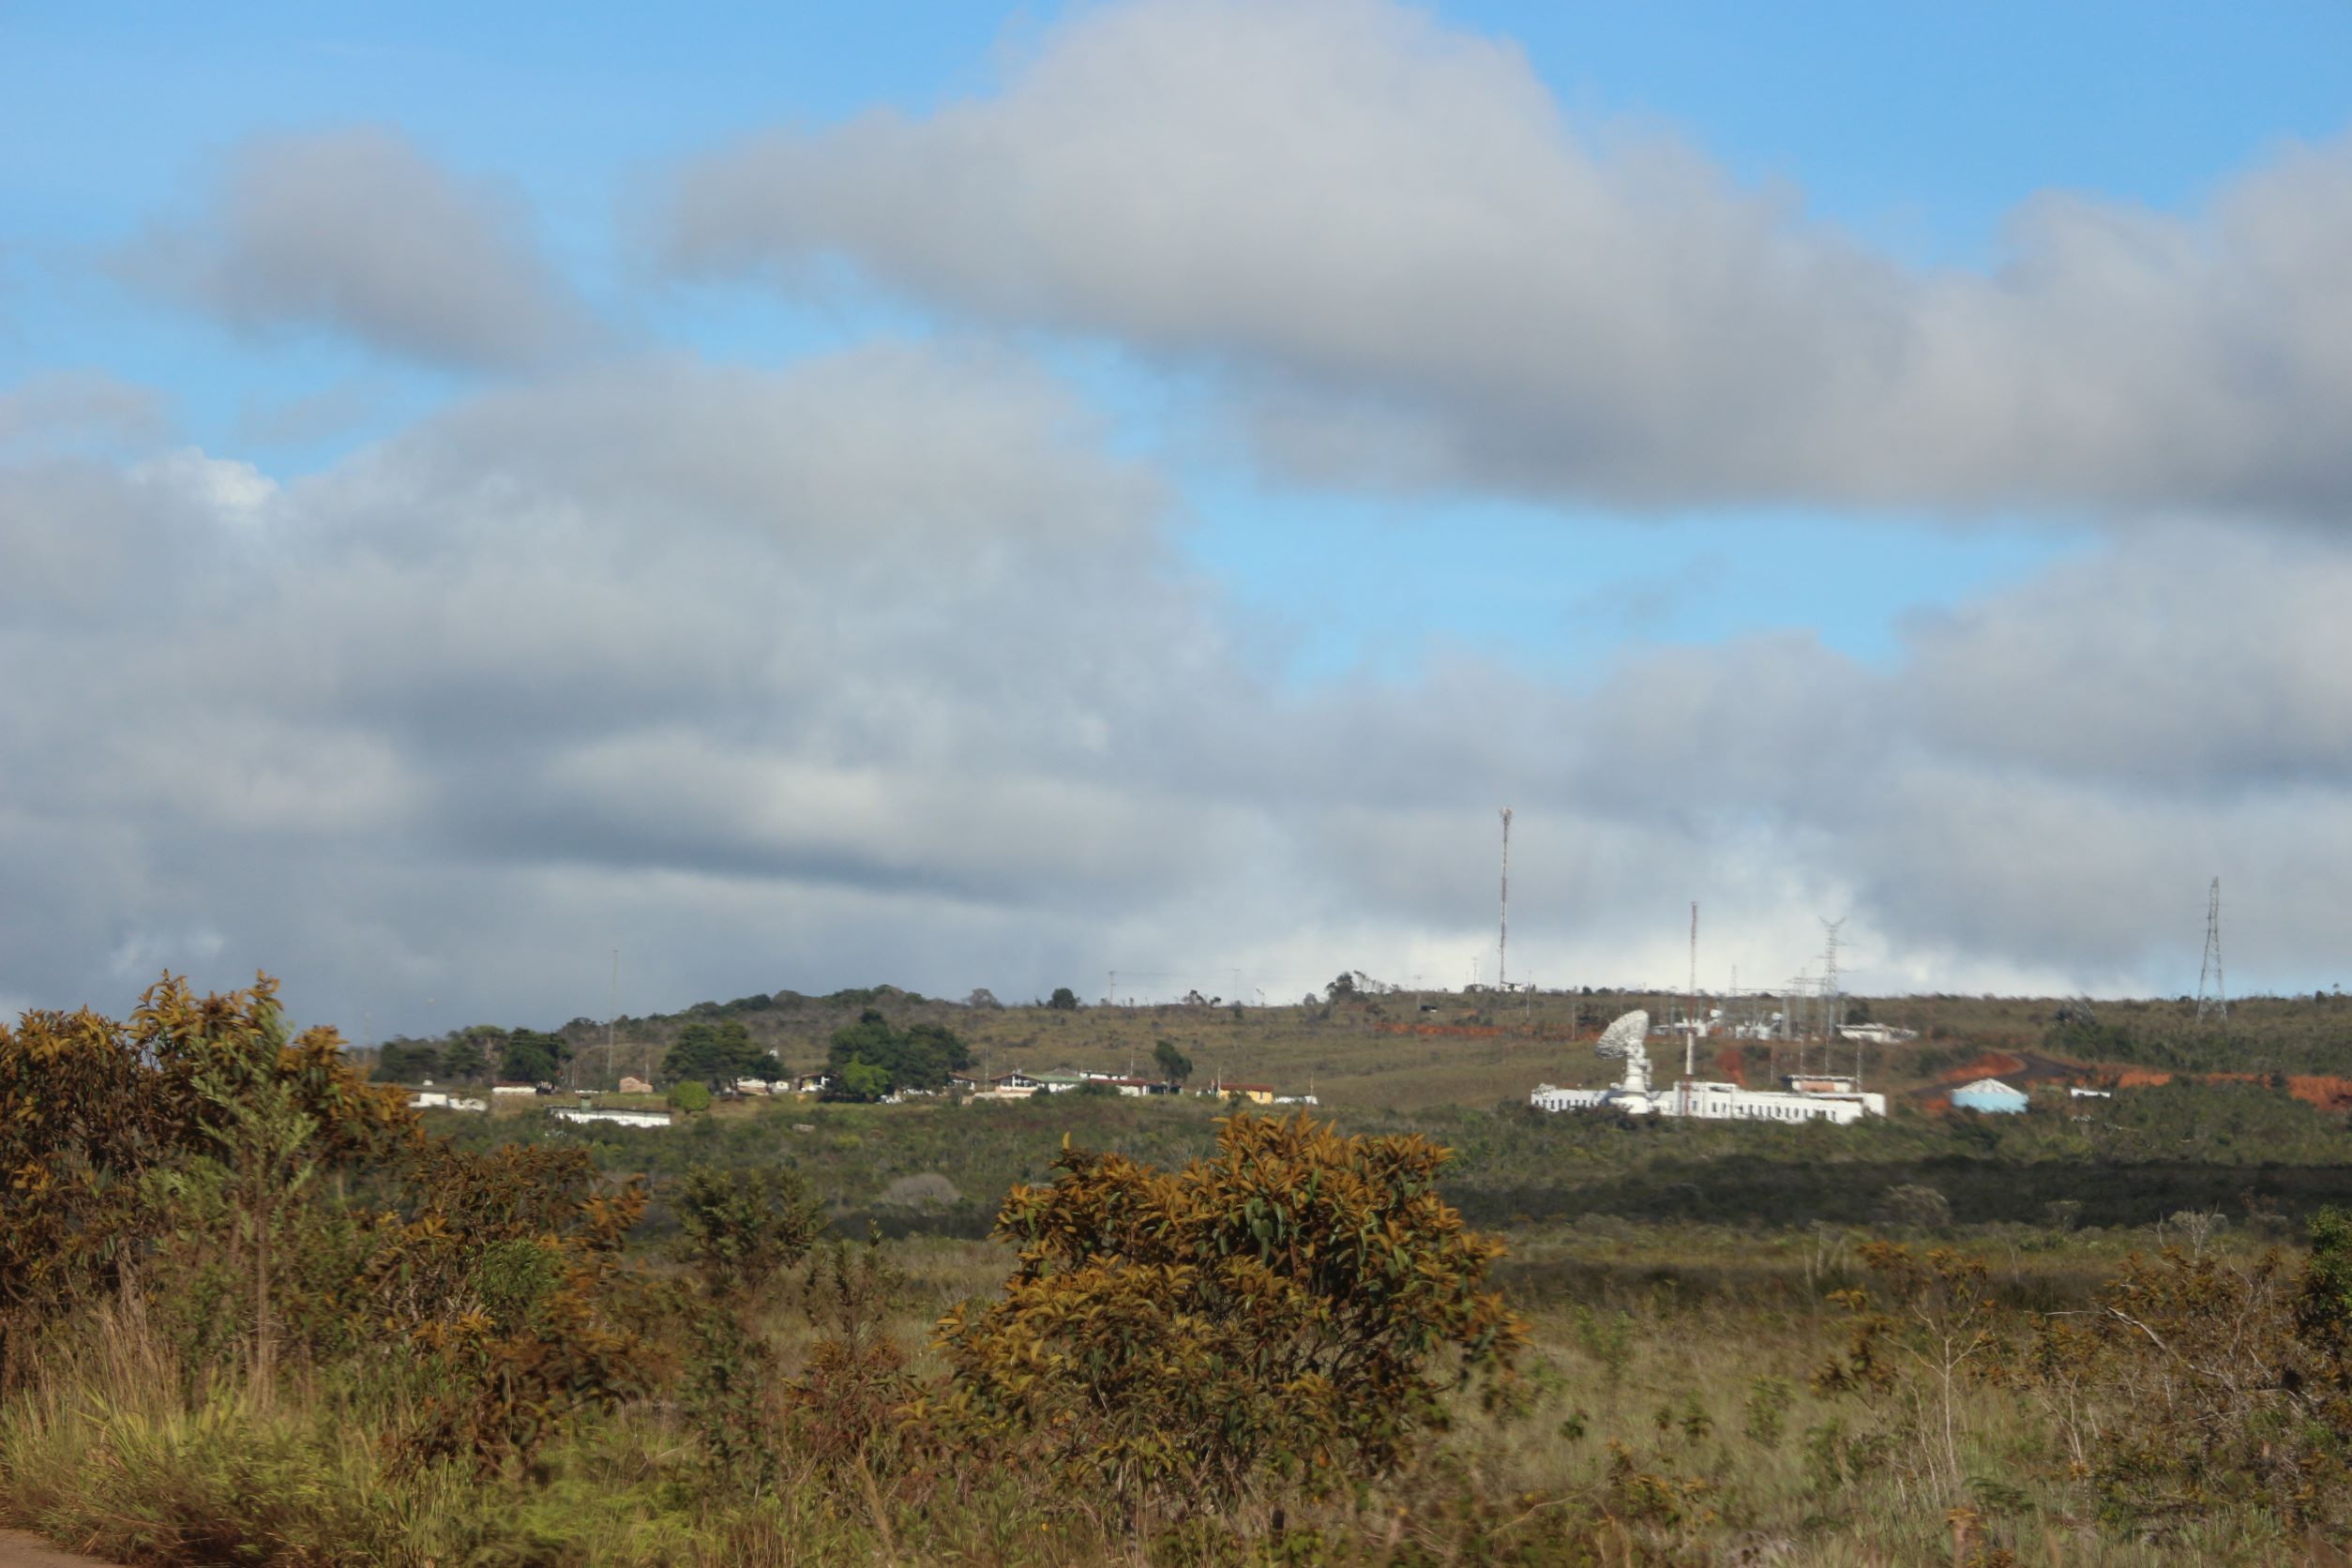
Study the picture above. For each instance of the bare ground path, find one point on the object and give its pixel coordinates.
(20, 1550)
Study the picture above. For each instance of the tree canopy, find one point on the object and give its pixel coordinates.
(718, 1053)
(532, 1057)
(1174, 1064)
(917, 1057)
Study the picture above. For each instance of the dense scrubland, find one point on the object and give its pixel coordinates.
(254, 1309)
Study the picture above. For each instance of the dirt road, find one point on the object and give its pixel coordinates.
(20, 1550)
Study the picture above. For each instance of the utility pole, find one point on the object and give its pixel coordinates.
(1502, 939)
(612, 1013)
(1690, 1015)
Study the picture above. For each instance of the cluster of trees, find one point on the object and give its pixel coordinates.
(718, 1054)
(874, 1057)
(475, 1055)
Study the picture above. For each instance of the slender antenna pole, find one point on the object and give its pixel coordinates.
(1502, 939)
(611, 1012)
(1690, 1016)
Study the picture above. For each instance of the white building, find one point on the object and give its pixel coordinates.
(620, 1118)
(1809, 1098)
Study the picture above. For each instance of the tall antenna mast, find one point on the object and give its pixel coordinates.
(611, 1011)
(1690, 1015)
(1503, 938)
(1831, 1003)
(2212, 995)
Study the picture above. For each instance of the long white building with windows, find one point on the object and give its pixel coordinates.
(1804, 1098)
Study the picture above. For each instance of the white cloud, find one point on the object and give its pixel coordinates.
(356, 231)
(879, 667)
(1415, 270)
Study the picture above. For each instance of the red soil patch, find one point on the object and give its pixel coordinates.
(1734, 1068)
(1992, 1065)
(2326, 1092)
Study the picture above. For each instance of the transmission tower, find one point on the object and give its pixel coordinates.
(2212, 995)
(1503, 938)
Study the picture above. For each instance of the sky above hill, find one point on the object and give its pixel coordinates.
(963, 495)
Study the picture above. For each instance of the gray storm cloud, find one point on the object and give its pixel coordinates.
(879, 667)
(357, 233)
(1413, 270)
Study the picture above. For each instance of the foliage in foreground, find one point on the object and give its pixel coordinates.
(252, 1312)
(1174, 1338)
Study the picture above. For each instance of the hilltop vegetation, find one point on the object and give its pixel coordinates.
(1362, 1048)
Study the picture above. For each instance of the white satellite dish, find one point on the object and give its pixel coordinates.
(1628, 1035)
(1629, 1038)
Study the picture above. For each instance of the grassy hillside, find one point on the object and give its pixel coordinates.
(1409, 1052)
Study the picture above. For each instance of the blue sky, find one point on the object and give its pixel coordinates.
(2023, 218)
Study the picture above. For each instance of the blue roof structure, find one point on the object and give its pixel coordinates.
(1990, 1094)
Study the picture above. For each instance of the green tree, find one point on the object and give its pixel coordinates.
(1063, 999)
(1174, 1064)
(857, 1079)
(408, 1061)
(530, 1057)
(690, 1096)
(465, 1059)
(918, 1056)
(718, 1054)
(741, 1227)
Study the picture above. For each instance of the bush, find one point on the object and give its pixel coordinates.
(1271, 1312)
(690, 1096)
(742, 1226)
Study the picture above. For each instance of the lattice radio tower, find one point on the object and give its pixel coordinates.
(1831, 1005)
(1502, 935)
(2212, 995)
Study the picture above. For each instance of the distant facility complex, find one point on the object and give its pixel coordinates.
(1804, 1097)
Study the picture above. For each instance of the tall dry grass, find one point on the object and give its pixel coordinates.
(1662, 1427)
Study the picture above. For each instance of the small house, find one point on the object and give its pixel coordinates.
(1990, 1095)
